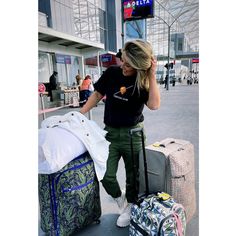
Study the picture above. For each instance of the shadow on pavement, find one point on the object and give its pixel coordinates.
(106, 227)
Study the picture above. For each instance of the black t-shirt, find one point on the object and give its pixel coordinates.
(121, 110)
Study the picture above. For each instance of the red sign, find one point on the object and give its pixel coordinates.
(106, 60)
(195, 60)
(92, 61)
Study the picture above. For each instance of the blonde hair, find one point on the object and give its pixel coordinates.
(138, 54)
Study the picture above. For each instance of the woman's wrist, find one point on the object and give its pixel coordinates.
(153, 76)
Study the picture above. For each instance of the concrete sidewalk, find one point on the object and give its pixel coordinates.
(177, 118)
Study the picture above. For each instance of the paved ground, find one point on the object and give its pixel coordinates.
(178, 118)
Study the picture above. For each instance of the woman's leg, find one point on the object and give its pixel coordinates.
(131, 182)
(109, 180)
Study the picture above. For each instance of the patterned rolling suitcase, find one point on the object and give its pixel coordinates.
(170, 167)
(69, 199)
(155, 214)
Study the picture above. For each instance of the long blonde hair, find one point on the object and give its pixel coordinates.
(138, 54)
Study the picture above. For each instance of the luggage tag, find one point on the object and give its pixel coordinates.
(164, 144)
(163, 196)
(157, 145)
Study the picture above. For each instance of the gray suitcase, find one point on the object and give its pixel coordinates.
(170, 165)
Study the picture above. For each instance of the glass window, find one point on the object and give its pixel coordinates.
(180, 45)
(89, 19)
(44, 67)
(135, 29)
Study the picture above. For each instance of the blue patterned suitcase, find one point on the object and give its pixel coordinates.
(69, 199)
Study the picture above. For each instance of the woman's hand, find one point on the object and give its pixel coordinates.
(153, 68)
(92, 101)
(154, 101)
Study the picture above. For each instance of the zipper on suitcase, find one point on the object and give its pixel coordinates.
(138, 228)
(162, 222)
(179, 177)
(77, 187)
(173, 213)
(72, 168)
(53, 204)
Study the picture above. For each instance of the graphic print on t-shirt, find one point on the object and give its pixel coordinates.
(122, 92)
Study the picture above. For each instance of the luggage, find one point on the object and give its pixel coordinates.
(69, 95)
(155, 214)
(170, 167)
(69, 199)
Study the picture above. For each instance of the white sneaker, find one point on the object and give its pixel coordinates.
(121, 201)
(124, 219)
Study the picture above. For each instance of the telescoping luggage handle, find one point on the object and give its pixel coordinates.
(131, 132)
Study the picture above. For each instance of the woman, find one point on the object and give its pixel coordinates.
(85, 90)
(127, 88)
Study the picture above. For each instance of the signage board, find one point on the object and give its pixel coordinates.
(195, 60)
(139, 9)
(106, 58)
(63, 59)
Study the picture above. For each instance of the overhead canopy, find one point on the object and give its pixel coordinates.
(181, 15)
(53, 37)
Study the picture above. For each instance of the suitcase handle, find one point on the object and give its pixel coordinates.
(131, 132)
(164, 144)
(135, 130)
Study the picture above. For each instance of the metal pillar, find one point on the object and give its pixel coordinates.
(42, 105)
(169, 26)
(168, 69)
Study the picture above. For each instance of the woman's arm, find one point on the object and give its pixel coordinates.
(154, 99)
(92, 102)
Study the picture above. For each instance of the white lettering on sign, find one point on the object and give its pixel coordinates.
(137, 3)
